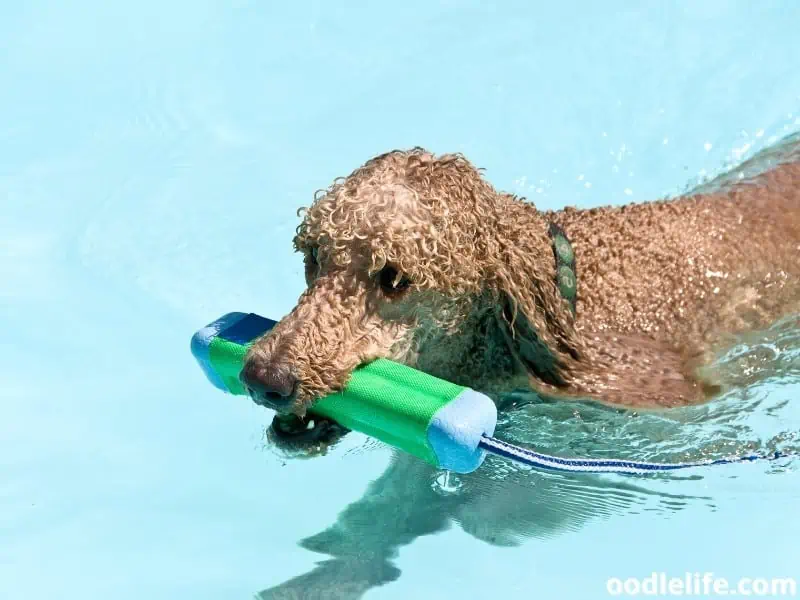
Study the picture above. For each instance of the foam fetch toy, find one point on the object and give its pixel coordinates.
(432, 419)
(446, 425)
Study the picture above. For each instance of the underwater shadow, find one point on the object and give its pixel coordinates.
(498, 504)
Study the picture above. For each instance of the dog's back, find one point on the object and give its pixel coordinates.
(695, 266)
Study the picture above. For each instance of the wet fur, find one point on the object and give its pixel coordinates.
(662, 286)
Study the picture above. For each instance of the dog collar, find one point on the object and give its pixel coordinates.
(566, 274)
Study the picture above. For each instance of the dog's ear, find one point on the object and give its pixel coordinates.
(537, 321)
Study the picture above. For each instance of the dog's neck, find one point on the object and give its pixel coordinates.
(476, 355)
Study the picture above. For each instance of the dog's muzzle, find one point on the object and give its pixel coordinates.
(271, 386)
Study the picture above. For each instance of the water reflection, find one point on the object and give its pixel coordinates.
(498, 505)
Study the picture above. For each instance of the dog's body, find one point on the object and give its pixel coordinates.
(418, 259)
(661, 286)
(665, 285)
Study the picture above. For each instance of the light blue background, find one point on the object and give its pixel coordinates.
(152, 158)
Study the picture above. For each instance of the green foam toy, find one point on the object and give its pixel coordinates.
(435, 420)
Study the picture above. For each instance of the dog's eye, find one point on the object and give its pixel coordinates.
(390, 281)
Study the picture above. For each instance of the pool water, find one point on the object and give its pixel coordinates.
(152, 159)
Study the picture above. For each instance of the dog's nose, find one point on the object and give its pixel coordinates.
(269, 385)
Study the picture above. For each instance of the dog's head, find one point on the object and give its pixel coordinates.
(408, 258)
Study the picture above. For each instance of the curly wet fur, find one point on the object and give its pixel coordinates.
(661, 285)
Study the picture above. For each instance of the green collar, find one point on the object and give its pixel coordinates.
(566, 274)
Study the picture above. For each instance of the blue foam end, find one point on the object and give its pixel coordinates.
(202, 340)
(246, 329)
(457, 428)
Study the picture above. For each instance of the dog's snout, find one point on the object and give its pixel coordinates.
(272, 385)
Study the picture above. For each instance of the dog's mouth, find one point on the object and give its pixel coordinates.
(307, 436)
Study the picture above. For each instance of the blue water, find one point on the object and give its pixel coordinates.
(152, 158)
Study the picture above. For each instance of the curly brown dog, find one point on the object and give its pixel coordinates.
(417, 258)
